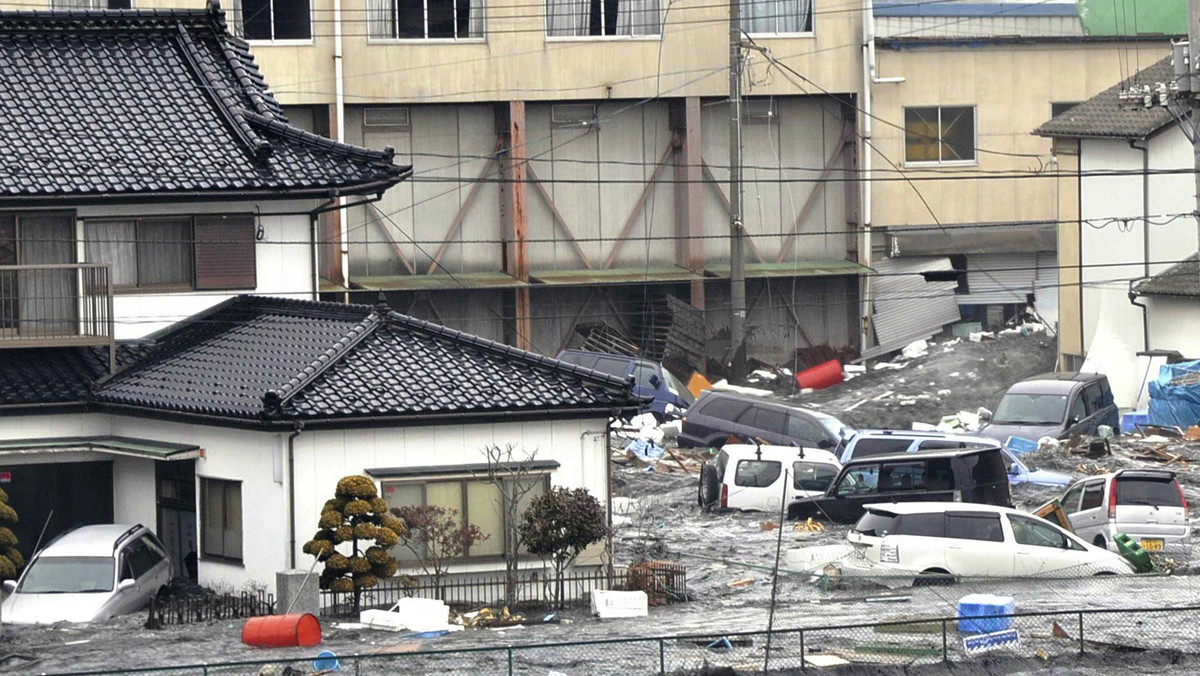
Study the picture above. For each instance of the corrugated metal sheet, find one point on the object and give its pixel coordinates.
(1045, 288)
(977, 26)
(999, 278)
(906, 307)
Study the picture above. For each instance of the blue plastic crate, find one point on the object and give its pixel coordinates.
(979, 605)
(1131, 419)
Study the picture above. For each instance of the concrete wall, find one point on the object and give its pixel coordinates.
(1009, 103)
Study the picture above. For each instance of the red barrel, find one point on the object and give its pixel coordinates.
(282, 631)
(821, 375)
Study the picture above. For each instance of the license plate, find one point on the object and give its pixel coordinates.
(1152, 544)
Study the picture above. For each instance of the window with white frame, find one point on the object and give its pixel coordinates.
(584, 18)
(476, 502)
(271, 19)
(773, 17)
(939, 134)
(425, 19)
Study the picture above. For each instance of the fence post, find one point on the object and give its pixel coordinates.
(1080, 633)
(662, 657)
(945, 644)
(802, 663)
(510, 661)
(356, 664)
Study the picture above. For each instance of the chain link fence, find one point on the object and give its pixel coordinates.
(1106, 637)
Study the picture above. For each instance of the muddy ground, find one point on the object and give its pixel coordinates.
(720, 549)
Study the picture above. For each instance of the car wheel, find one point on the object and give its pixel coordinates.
(710, 486)
(1100, 542)
(933, 577)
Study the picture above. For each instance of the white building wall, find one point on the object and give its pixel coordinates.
(1173, 325)
(283, 259)
(1114, 254)
(323, 457)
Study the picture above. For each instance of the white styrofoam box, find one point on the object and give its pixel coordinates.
(608, 604)
(410, 615)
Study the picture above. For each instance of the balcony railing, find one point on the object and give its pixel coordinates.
(56, 305)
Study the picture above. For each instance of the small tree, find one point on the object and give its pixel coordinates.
(436, 537)
(358, 516)
(559, 525)
(11, 560)
(512, 475)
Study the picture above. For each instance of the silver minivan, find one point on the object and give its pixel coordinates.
(1146, 504)
(89, 574)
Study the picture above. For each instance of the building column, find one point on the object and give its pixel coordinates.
(689, 191)
(515, 219)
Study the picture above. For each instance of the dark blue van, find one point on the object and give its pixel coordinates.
(671, 397)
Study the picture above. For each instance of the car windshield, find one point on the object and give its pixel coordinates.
(679, 388)
(68, 575)
(1031, 409)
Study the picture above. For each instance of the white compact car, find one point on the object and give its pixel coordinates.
(749, 477)
(88, 574)
(1145, 504)
(958, 539)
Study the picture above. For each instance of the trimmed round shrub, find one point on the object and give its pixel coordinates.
(356, 486)
(379, 505)
(365, 581)
(13, 555)
(337, 563)
(366, 531)
(377, 555)
(334, 505)
(385, 569)
(342, 585)
(3, 496)
(324, 534)
(357, 508)
(7, 539)
(318, 548)
(330, 519)
(7, 570)
(343, 534)
(7, 513)
(359, 564)
(392, 523)
(387, 537)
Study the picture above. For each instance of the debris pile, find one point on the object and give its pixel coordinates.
(486, 618)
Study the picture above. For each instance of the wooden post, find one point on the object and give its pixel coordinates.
(515, 217)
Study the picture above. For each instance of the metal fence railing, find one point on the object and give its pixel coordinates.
(531, 591)
(186, 609)
(65, 304)
(1030, 639)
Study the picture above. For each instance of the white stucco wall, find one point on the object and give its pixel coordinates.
(1112, 256)
(283, 257)
(258, 460)
(1175, 325)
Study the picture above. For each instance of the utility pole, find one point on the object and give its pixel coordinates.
(1193, 89)
(737, 258)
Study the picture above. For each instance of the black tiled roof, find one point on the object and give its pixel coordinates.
(155, 103)
(1181, 279)
(1104, 116)
(268, 359)
(56, 376)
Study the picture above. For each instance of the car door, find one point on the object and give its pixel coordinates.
(858, 486)
(1093, 399)
(644, 376)
(761, 422)
(715, 421)
(975, 545)
(810, 478)
(1091, 517)
(126, 600)
(803, 430)
(756, 485)
(1042, 549)
(1070, 501)
(1076, 414)
(160, 564)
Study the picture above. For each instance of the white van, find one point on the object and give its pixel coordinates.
(1146, 504)
(751, 478)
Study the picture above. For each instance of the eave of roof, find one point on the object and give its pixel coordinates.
(1105, 116)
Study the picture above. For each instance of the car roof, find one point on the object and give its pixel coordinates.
(914, 435)
(1055, 383)
(1133, 473)
(752, 399)
(772, 452)
(98, 540)
(926, 507)
(923, 455)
